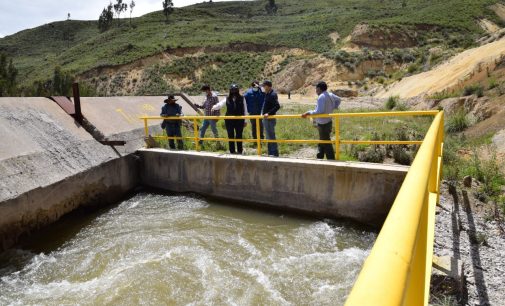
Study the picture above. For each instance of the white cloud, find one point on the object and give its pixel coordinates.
(24, 14)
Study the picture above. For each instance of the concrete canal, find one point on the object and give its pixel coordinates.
(179, 249)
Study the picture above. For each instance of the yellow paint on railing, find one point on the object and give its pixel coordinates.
(259, 141)
(398, 269)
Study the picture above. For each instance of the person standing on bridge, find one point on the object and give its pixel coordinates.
(211, 99)
(172, 126)
(254, 99)
(235, 106)
(270, 108)
(326, 103)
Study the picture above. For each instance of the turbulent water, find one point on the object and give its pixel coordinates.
(158, 249)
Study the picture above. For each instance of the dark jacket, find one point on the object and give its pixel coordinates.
(271, 105)
(170, 110)
(235, 108)
(254, 101)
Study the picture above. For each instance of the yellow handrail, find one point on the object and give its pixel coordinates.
(259, 141)
(398, 269)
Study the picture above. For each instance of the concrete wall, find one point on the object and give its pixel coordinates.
(104, 184)
(50, 165)
(358, 191)
(41, 145)
(118, 117)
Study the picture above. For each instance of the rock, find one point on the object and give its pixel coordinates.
(467, 181)
(499, 141)
(364, 35)
(345, 93)
(452, 105)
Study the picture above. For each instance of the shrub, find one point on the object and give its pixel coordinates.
(401, 107)
(492, 84)
(392, 102)
(457, 122)
(372, 155)
(401, 156)
(476, 89)
(445, 94)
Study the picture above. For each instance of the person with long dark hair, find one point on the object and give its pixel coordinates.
(235, 106)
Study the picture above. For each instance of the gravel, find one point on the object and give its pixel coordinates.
(470, 230)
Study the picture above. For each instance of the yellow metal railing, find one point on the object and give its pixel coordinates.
(337, 142)
(398, 269)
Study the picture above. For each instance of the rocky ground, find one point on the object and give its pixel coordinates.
(473, 232)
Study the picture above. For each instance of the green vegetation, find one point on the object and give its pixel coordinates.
(445, 94)
(8, 77)
(458, 122)
(78, 46)
(392, 102)
(475, 89)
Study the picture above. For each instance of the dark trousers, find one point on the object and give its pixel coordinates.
(235, 128)
(253, 127)
(323, 148)
(174, 130)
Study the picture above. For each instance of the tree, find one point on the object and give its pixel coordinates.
(120, 7)
(271, 7)
(8, 75)
(168, 8)
(62, 82)
(105, 19)
(132, 6)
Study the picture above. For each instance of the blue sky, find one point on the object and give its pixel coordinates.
(17, 15)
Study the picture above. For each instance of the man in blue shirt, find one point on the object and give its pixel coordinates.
(254, 99)
(270, 108)
(326, 103)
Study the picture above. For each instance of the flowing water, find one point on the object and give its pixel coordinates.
(177, 250)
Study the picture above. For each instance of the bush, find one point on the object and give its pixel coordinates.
(445, 94)
(457, 122)
(401, 107)
(372, 155)
(476, 89)
(392, 102)
(492, 84)
(401, 156)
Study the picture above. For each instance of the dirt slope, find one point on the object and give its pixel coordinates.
(468, 67)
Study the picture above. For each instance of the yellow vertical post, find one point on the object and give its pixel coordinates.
(337, 138)
(146, 128)
(195, 130)
(258, 136)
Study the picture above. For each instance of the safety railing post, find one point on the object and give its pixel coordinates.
(195, 130)
(337, 138)
(258, 136)
(146, 127)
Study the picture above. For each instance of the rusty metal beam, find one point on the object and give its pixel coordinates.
(65, 104)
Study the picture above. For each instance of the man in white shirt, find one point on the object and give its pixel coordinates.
(326, 103)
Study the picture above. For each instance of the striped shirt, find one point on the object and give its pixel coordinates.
(210, 101)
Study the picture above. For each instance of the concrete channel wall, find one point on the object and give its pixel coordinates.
(357, 191)
(101, 185)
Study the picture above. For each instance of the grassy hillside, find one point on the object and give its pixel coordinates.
(78, 46)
